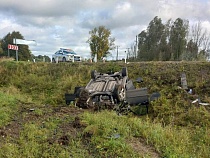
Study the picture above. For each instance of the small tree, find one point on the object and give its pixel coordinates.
(100, 42)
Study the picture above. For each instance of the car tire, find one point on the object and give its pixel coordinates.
(53, 60)
(117, 93)
(124, 71)
(64, 59)
(83, 97)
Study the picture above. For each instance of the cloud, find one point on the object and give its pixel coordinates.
(66, 23)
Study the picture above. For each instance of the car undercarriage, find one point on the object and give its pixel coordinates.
(111, 91)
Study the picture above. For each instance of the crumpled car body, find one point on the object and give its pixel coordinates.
(106, 90)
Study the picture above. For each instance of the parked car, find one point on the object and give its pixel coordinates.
(108, 90)
(65, 55)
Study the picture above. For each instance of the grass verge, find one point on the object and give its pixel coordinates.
(109, 134)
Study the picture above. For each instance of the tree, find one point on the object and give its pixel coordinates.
(142, 46)
(1, 50)
(191, 51)
(177, 39)
(24, 53)
(152, 42)
(100, 42)
(155, 37)
(201, 41)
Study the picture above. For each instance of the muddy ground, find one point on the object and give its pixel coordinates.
(70, 129)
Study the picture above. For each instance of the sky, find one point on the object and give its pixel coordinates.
(56, 24)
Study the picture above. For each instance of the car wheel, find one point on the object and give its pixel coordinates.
(64, 59)
(53, 60)
(119, 93)
(124, 71)
(83, 97)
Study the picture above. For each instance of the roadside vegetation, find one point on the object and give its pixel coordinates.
(35, 122)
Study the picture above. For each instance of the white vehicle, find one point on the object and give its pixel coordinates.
(65, 55)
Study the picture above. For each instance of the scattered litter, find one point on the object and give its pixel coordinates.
(31, 109)
(190, 91)
(205, 104)
(114, 136)
(199, 102)
(195, 101)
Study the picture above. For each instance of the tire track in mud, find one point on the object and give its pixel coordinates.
(26, 115)
(68, 130)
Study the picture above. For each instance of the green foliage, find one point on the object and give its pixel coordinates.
(42, 58)
(108, 134)
(169, 141)
(23, 50)
(174, 126)
(100, 42)
(32, 143)
(8, 108)
(1, 50)
(177, 39)
(171, 41)
(42, 139)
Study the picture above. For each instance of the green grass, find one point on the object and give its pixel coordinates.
(8, 107)
(174, 126)
(169, 141)
(42, 140)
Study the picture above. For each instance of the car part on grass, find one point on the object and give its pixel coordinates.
(190, 91)
(111, 91)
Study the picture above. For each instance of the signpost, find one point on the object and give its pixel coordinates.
(21, 41)
(24, 42)
(13, 47)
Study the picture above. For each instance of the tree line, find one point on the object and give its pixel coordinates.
(173, 41)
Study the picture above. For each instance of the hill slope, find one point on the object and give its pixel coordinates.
(36, 122)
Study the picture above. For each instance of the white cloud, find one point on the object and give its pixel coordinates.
(66, 23)
(206, 25)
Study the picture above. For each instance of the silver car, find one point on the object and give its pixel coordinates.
(65, 55)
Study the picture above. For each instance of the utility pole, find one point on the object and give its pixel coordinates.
(125, 57)
(136, 47)
(16, 52)
(117, 53)
(128, 52)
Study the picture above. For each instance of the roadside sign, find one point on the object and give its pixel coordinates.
(13, 47)
(25, 42)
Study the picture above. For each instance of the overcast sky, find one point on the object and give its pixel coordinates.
(56, 24)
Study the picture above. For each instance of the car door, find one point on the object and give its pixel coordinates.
(57, 56)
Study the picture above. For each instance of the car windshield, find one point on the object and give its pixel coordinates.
(69, 52)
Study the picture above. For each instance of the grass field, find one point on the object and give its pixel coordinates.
(35, 122)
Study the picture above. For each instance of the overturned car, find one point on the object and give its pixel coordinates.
(111, 91)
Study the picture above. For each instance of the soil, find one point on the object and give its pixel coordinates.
(26, 115)
(139, 145)
(69, 129)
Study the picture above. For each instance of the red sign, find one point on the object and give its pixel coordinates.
(13, 47)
